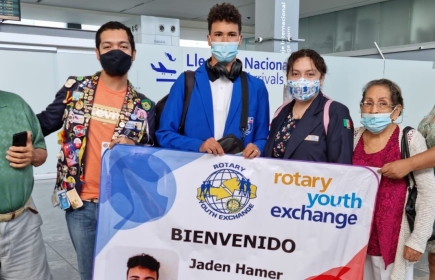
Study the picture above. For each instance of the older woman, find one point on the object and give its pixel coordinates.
(392, 247)
(310, 127)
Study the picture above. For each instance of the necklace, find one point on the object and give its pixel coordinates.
(297, 115)
(381, 143)
(376, 148)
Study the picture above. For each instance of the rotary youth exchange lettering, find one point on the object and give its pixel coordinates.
(308, 212)
(226, 194)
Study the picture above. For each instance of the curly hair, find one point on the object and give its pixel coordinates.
(224, 12)
(316, 58)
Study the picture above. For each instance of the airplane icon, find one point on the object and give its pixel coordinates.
(170, 56)
(162, 69)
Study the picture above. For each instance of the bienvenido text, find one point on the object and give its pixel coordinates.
(239, 269)
(233, 240)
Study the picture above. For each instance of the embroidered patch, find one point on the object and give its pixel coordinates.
(146, 104)
(250, 126)
(70, 83)
(77, 95)
(78, 119)
(347, 123)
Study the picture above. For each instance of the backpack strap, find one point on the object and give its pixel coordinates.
(326, 115)
(280, 109)
(189, 82)
(245, 105)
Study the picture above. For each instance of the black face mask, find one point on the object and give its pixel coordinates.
(115, 62)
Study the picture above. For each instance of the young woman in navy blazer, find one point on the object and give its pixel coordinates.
(298, 131)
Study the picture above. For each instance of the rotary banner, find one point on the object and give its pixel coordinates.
(172, 215)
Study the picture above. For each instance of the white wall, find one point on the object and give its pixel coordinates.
(37, 75)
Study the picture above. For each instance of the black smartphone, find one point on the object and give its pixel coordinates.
(19, 139)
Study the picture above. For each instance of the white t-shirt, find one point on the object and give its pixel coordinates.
(221, 91)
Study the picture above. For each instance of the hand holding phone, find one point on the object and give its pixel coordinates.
(19, 139)
(20, 154)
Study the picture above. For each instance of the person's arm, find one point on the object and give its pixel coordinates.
(35, 150)
(167, 134)
(339, 138)
(261, 120)
(51, 118)
(20, 157)
(425, 208)
(39, 157)
(400, 168)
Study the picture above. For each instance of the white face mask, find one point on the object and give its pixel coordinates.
(303, 89)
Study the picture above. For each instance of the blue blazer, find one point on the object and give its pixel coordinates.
(199, 125)
(335, 147)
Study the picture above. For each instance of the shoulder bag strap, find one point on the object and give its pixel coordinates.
(245, 105)
(189, 81)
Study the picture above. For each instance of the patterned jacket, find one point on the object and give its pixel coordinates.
(72, 110)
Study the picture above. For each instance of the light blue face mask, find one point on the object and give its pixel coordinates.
(376, 123)
(303, 89)
(224, 52)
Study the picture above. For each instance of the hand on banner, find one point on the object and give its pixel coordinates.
(121, 140)
(411, 255)
(211, 146)
(396, 169)
(251, 151)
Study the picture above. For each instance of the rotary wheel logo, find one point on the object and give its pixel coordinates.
(233, 205)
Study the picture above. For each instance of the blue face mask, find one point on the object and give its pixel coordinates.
(376, 123)
(224, 52)
(302, 89)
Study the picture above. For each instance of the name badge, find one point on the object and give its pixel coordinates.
(312, 138)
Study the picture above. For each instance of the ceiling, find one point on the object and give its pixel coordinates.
(75, 11)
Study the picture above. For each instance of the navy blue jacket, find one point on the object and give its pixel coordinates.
(199, 124)
(336, 147)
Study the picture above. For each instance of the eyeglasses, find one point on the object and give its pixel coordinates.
(380, 105)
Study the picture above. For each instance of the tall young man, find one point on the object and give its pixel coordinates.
(216, 101)
(95, 112)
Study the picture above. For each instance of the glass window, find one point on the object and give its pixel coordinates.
(367, 19)
(303, 33)
(344, 30)
(395, 22)
(422, 21)
(320, 33)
